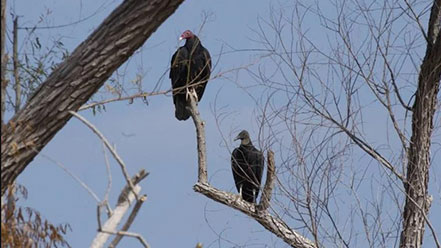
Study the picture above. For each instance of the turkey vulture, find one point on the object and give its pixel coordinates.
(190, 65)
(247, 163)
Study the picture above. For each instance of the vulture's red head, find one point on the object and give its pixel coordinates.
(186, 35)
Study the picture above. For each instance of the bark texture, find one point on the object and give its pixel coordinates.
(3, 57)
(417, 198)
(75, 80)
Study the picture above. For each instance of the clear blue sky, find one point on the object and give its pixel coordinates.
(148, 136)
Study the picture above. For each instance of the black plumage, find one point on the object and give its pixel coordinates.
(247, 164)
(190, 65)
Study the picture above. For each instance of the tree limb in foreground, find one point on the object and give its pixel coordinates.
(125, 199)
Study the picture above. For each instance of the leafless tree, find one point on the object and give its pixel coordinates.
(350, 101)
(337, 182)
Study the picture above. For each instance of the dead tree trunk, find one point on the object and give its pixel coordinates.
(417, 198)
(76, 79)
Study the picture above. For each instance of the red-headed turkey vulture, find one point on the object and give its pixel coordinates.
(190, 66)
(247, 163)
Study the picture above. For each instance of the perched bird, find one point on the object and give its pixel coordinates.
(190, 66)
(247, 163)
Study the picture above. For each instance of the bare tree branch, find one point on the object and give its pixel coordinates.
(417, 20)
(163, 92)
(320, 87)
(111, 149)
(112, 223)
(360, 143)
(75, 177)
(109, 181)
(134, 180)
(272, 224)
(129, 221)
(129, 234)
(127, 98)
(269, 184)
(126, 197)
(200, 135)
(15, 61)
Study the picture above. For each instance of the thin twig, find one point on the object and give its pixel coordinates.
(15, 62)
(129, 234)
(109, 181)
(111, 149)
(417, 20)
(98, 216)
(76, 178)
(164, 92)
(361, 143)
(131, 98)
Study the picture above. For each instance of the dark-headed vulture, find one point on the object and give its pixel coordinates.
(247, 163)
(190, 66)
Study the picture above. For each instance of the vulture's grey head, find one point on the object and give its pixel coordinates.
(244, 137)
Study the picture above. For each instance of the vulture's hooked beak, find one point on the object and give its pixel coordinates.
(237, 138)
(180, 38)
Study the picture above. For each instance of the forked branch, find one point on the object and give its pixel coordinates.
(128, 194)
(259, 212)
(125, 199)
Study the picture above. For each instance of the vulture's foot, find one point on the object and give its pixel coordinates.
(237, 198)
(187, 94)
(193, 92)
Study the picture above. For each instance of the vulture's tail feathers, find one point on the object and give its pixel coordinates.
(181, 111)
